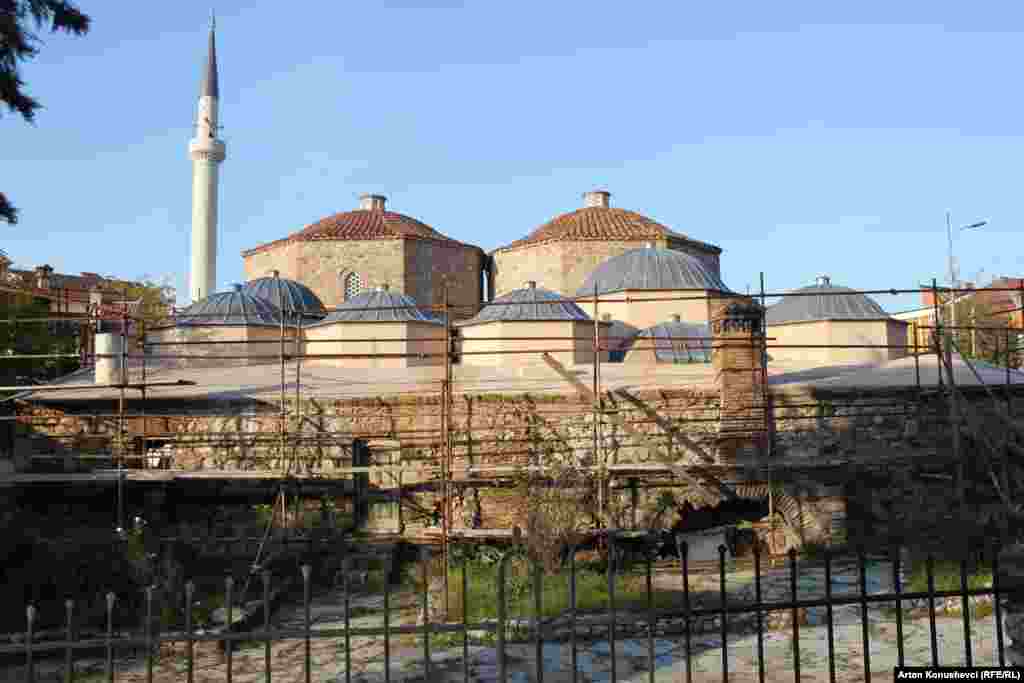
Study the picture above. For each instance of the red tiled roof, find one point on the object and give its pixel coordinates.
(603, 223)
(362, 224)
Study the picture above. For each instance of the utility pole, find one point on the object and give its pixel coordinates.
(952, 273)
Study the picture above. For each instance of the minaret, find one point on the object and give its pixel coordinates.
(207, 152)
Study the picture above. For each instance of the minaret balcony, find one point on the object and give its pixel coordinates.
(208, 149)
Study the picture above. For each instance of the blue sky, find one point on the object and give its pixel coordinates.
(802, 138)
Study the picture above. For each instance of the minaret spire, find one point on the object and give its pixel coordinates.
(209, 83)
(207, 152)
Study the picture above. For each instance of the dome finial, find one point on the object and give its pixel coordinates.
(598, 198)
(823, 281)
(372, 202)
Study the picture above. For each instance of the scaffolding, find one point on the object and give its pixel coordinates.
(694, 467)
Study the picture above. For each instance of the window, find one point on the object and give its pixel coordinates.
(353, 285)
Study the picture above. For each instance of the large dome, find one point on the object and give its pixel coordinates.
(600, 222)
(369, 222)
(234, 308)
(289, 296)
(530, 303)
(378, 306)
(651, 268)
(824, 301)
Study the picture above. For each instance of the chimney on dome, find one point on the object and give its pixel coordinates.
(532, 284)
(384, 287)
(372, 202)
(43, 276)
(676, 318)
(598, 198)
(823, 281)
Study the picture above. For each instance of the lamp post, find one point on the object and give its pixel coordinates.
(952, 273)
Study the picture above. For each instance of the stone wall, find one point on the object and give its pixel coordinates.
(430, 265)
(413, 267)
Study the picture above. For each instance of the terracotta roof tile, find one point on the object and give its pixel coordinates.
(603, 223)
(362, 224)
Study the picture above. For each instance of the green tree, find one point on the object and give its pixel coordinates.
(23, 334)
(19, 43)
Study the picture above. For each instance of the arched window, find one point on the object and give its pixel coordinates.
(353, 285)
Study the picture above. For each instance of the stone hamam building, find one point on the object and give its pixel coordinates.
(336, 355)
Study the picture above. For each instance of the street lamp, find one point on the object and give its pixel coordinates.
(952, 273)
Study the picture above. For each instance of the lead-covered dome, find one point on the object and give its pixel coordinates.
(378, 306)
(289, 296)
(651, 268)
(675, 342)
(531, 303)
(235, 309)
(824, 301)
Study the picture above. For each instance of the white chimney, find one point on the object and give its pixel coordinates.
(384, 287)
(109, 351)
(43, 277)
(598, 198)
(372, 202)
(822, 281)
(95, 299)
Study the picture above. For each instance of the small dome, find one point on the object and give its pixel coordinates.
(824, 301)
(296, 297)
(235, 308)
(529, 303)
(378, 306)
(675, 342)
(620, 337)
(651, 268)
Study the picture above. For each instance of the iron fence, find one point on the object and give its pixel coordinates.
(645, 623)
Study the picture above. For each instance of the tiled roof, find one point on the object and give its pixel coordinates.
(65, 286)
(362, 224)
(595, 223)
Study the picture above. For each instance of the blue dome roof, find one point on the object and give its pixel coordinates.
(289, 296)
(529, 303)
(378, 306)
(824, 301)
(235, 308)
(674, 342)
(651, 268)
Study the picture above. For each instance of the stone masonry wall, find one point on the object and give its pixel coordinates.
(427, 264)
(563, 266)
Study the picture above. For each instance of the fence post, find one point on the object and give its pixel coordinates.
(502, 625)
(30, 617)
(1011, 591)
